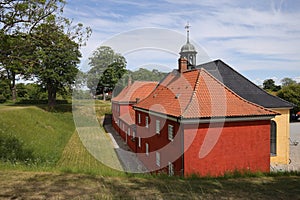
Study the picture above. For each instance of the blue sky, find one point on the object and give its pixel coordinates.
(260, 39)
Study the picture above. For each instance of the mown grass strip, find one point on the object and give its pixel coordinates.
(76, 159)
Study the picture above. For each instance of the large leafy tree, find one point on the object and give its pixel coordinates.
(24, 15)
(18, 18)
(111, 76)
(16, 57)
(291, 93)
(107, 68)
(57, 59)
(39, 42)
(287, 82)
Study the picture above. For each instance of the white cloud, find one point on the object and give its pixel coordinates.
(252, 35)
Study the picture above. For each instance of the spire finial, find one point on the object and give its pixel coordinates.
(187, 27)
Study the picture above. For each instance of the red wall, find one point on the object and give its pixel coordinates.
(240, 146)
(170, 151)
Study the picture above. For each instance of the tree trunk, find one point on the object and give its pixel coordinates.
(51, 96)
(104, 97)
(13, 86)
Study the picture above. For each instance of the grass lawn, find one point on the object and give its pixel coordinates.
(76, 158)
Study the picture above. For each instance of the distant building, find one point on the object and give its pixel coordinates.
(123, 119)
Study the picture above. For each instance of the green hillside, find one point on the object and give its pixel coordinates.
(50, 140)
(44, 133)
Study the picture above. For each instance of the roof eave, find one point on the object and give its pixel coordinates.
(225, 119)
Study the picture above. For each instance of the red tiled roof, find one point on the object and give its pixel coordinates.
(139, 89)
(197, 94)
(128, 117)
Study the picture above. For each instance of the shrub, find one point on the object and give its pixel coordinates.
(12, 150)
(2, 99)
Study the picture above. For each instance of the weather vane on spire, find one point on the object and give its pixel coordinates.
(187, 27)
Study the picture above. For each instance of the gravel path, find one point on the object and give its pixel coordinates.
(294, 150)
(128, 159)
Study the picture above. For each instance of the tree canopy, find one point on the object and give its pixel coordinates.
(107, 67)
(291, 93)
(58, 57)
(269, 85)
(37, 41)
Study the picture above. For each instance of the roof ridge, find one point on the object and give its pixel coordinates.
(235, 94)
(219, 60)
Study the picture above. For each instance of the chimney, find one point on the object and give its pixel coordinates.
(129, 81)
(182, 64)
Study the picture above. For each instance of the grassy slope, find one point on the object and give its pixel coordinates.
(52, 137)
(44, 132)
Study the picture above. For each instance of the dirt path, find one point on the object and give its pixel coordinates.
(7, 108)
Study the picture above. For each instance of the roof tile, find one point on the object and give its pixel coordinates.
(139, 89)
(197, 94)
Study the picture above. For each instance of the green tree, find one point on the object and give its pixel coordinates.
(58, 57)
(4, 90)
(16, 57)
(291, 93)
(147, 75)
(270, 86)
(104, 59)
(24, 15)
(111, 76)
(287, 82)
(17, 20)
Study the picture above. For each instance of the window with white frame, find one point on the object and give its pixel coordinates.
(133, 134)
(128, 131)
(171, 169)
(158, 159)
(140, 142)
(147, 149)
(170, 132)
(147, 122)
(139, 118)
(157, 127)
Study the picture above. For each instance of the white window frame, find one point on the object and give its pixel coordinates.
(157, 127)
(147, 149)
(170, 132)
(128, 131)
(170, 169)
(133, 134)
(157, 159)
(140, 142)
(139, 118)
(147, 122)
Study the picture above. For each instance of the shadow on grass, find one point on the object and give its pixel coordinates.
(69, 186)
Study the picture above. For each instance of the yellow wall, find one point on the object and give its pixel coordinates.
(283, 136)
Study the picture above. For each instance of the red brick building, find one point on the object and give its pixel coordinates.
(193, 124)
(123, 119)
